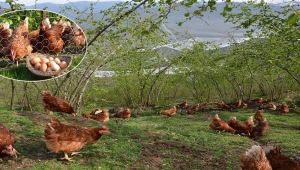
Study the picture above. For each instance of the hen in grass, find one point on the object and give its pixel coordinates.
(284, 108)
(102, 116)
(255, 159)
(239, 127)
(258, 115)
(260, 129)
(279, 161)
(183, 105)
(123, 113)
(70, 139)
(169, 112)
(218, 124)
(250, 123)
(193, 110)
(55, 104)
(7, 142)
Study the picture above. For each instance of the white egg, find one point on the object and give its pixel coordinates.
(57, 60)
(55, 67)
(50, 63)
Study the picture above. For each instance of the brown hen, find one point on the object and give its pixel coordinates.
(169, 112)
(55, 43)
(70, 139)
(5, 34)
(7, 142)
(75, 37)
(257, 100)
(102, 116)
(255, 159)
(260, 129)
(250, 123)
(36, 37)
(218, 124)
(279, 161)
(19, 43)
(183, 105)
(284, 108)
(193, 110)
(239, 127)
(259, 115)
(123, 113)
(55, 104)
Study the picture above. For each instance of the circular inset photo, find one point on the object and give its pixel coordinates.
(38, 45)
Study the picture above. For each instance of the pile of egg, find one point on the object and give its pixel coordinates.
(47, 64)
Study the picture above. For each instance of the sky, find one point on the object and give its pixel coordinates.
(32, 2)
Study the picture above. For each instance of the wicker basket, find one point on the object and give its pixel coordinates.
(67, 59)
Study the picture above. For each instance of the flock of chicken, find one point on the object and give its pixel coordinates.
(70, 139)
(233, 125)
(256, 158)
(61, 137)
(50, 39)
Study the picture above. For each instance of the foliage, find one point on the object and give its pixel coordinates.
(205, 73)
(279, 31)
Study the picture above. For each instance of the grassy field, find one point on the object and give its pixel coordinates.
(148, 140)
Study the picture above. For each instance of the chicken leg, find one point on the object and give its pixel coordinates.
(15, 153)
(75, 153)
(67, 158)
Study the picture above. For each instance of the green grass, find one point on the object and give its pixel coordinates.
(148, 141)
(19, 73)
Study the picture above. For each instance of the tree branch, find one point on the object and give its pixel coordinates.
(115, 20)
(288, 71)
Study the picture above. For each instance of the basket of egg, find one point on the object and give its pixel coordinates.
(47, 65)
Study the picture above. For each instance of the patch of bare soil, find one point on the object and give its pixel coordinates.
(182, 156)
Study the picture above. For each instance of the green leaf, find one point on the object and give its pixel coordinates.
(161, 9)
(212, 3)
(198, 13)
(187, 14)
(180, 23)
(292, 19)
(227, 8)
